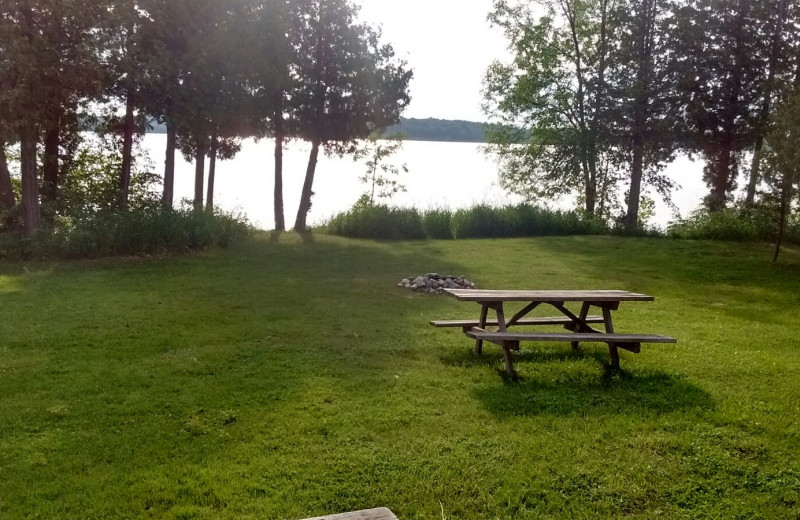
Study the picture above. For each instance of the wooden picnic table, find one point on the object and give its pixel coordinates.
(579, 324)
(380, 513)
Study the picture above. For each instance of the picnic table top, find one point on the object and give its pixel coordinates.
(380, 513)
(486, 295)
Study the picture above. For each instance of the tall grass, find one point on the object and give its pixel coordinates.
(150, 229)
(481, 221)
(733, 225)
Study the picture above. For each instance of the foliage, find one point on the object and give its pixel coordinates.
(734, 224)
(437, 223)
(556, 85)
(91, 183)
(522, 220)
(377, 221)
(782, 173)
(388, 223)
(381, 174)
(148, 229)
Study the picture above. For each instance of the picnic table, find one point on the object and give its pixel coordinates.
(380, 513)
(579, 325)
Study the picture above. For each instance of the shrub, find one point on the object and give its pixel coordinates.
(481, 221)
(378, 222)
(150, 229)
(437, 224)
(730, 224)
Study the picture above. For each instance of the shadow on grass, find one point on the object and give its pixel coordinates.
(613, 393)
(559, 388)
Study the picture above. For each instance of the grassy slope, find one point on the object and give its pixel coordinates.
(292, 379)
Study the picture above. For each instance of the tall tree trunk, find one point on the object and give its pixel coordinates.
(786, 190)
(127, 151)
(644, 57)
(199, 175)
(721, 173)
(7, 199)
(50, 169)
(280, 222)
(766, 105)
(169, 166)
(212, 171)
(305, 197)
(31, 217)
(635, 194)
(718, 176)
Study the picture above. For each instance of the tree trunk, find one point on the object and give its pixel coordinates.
(31, 217)
(7, 200)
(786, 190)
(52, 142)
(635, 194)
(719, 177)
(212, 171)
(199, 175)
(305, 198)
(774, 54)
(644, 56)
(169, 167)
(127, 152)
(280, 222)
(755, 171)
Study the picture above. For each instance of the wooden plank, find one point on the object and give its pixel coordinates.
(485, 295)
(380, 513)
(554, 320)
(599, 337)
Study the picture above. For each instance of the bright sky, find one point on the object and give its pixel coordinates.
(448, 43)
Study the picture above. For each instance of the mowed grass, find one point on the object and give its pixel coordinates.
(287, 378)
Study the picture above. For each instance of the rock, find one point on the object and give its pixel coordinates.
(419, 280)
(405, 281)
(432, 275)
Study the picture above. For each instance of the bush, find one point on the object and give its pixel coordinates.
(150, 229)
(377, 222)
(437, 224)
(481, 221)
(731, 224)
(522, 220)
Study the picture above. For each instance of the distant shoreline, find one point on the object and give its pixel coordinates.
(430, 129)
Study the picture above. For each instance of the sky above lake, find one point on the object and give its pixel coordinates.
(449, 45)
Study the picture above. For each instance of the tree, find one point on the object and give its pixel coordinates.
(557, 87)
(644, 90)
(776, 13)
(128, 62)
(52, 51)
(719, 44)
(381, 175)
(348, 85)
(782, 172)
(275, 39)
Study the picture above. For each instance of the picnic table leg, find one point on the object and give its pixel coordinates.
(481, 324)
(508, 346)
(612, 348)
(584, 312)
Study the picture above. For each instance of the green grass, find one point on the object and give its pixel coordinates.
(286, 379)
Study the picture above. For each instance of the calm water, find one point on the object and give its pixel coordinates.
(453, 175)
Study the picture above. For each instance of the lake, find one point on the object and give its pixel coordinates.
(452, 175)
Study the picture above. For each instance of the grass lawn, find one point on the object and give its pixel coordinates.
(280, 380)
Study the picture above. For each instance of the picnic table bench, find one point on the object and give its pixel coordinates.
(579, 324)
